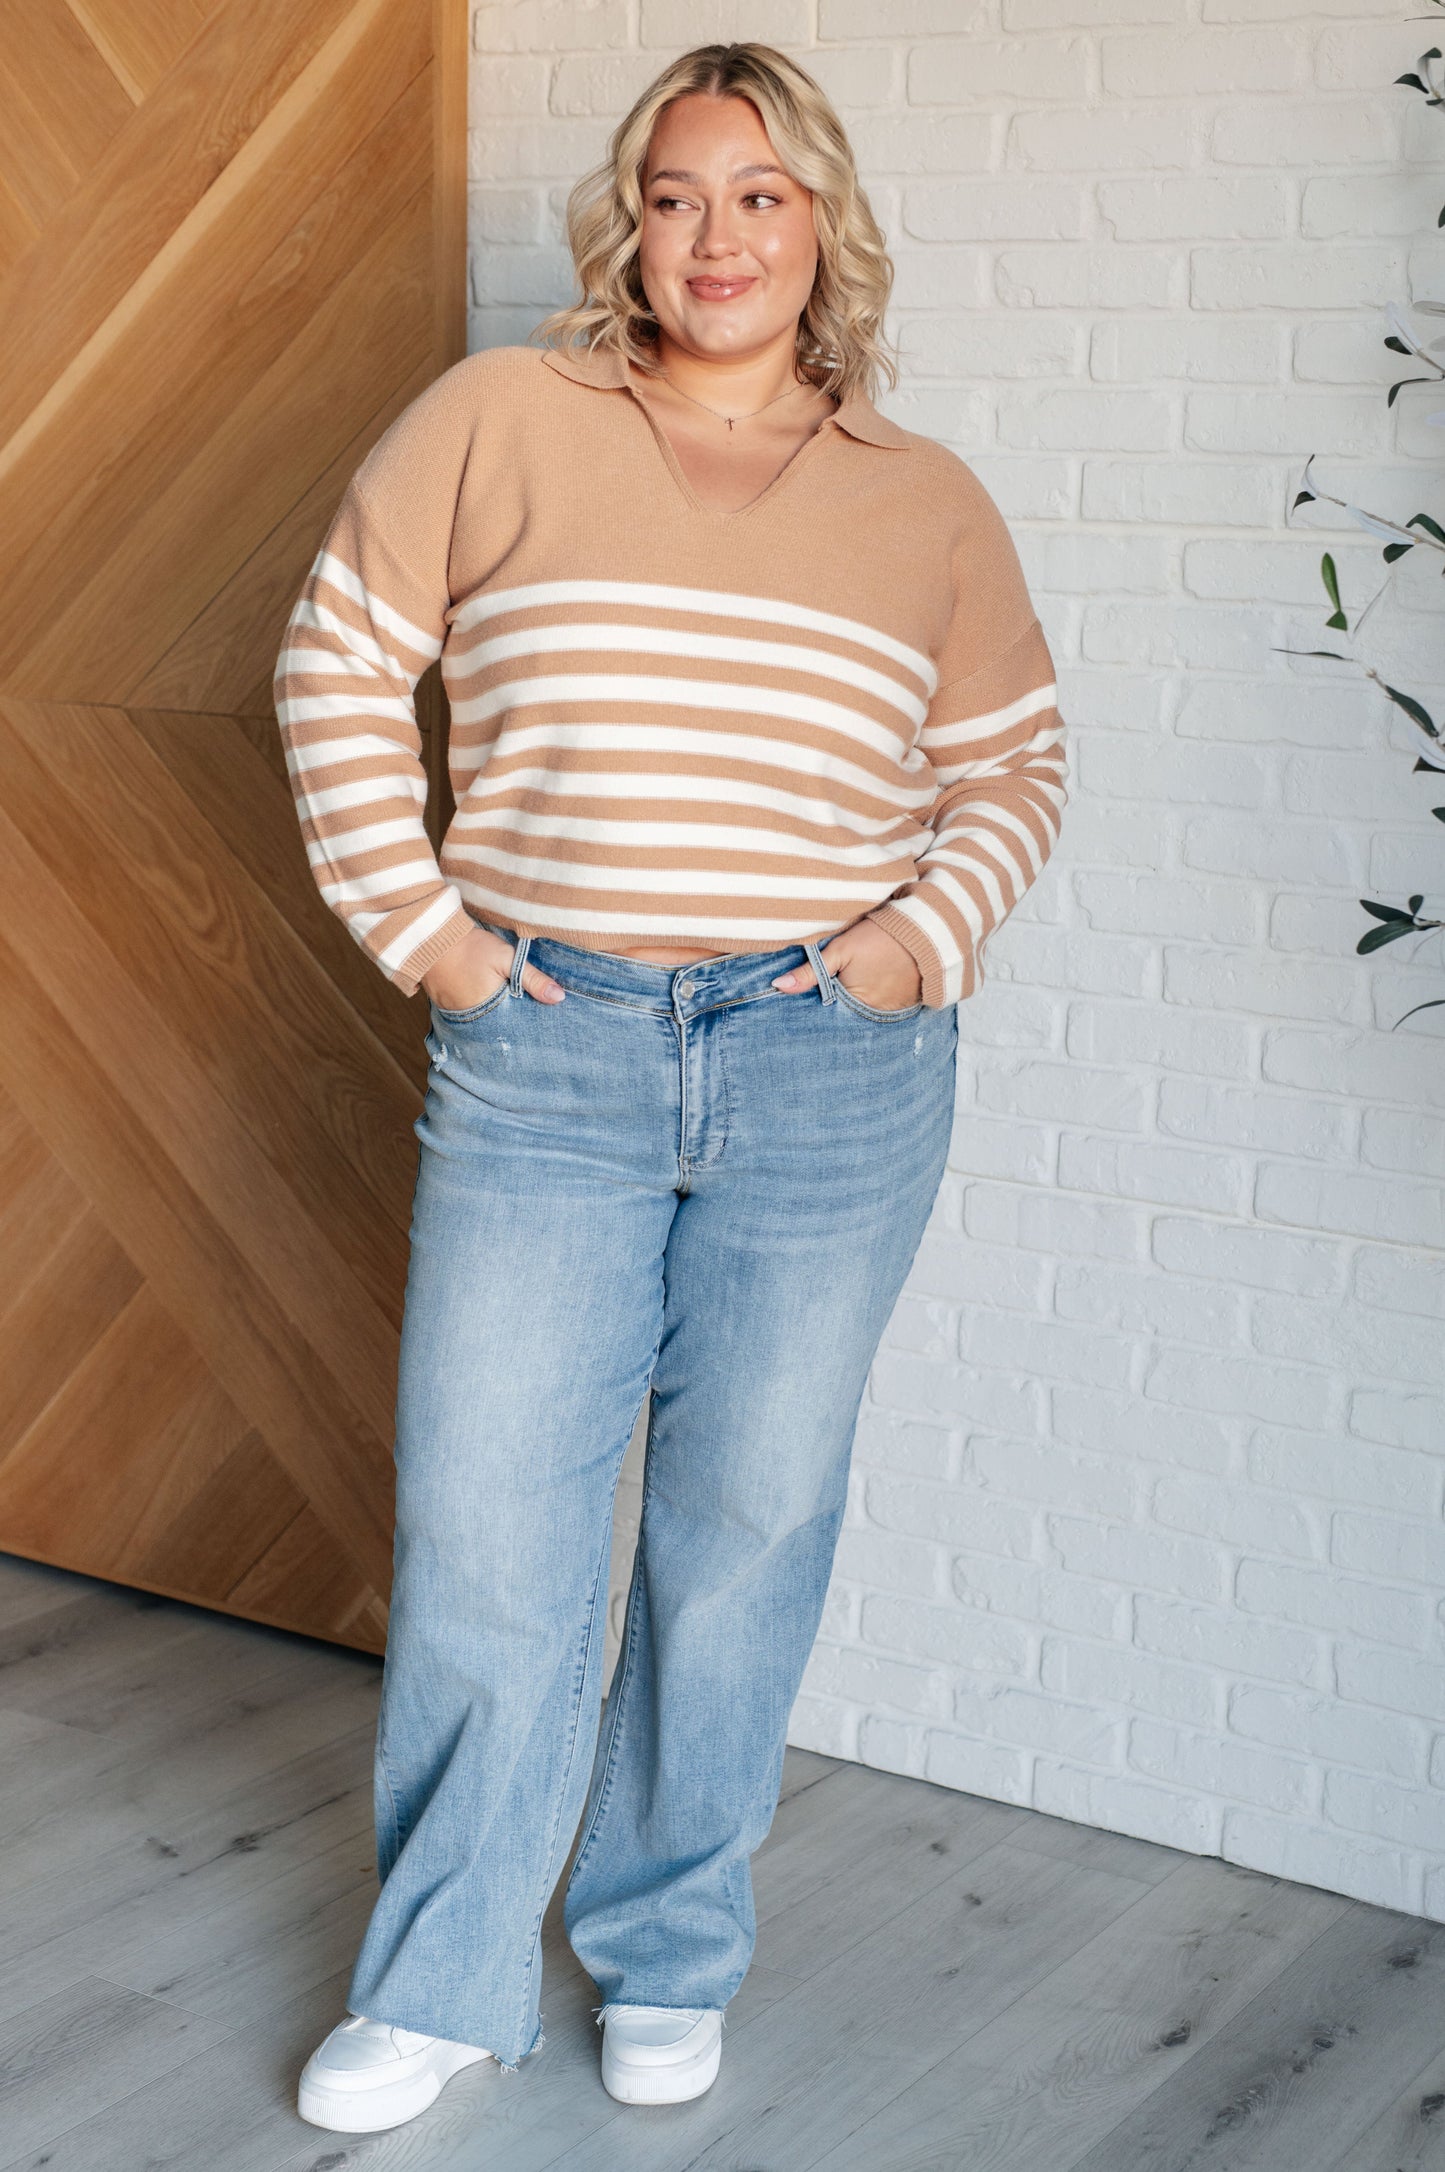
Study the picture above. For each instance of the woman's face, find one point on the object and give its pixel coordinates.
(727, 252)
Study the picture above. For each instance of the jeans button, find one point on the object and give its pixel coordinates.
(687, 987)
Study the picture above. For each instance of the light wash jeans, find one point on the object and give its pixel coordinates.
(680, 1177)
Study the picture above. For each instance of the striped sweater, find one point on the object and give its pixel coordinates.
(669, 724)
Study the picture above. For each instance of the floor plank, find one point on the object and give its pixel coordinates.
(941, 1984)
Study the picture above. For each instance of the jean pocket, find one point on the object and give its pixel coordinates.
(478, 1010)
(866, 1010)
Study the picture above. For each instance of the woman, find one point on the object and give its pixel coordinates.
(753, 743)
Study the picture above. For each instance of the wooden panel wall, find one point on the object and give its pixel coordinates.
(232, 248)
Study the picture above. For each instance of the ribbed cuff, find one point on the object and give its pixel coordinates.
(907, 931)
(408, 977)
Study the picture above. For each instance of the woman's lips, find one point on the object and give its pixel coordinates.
(719, 290)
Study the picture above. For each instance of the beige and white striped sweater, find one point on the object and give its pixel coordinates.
(669, 724)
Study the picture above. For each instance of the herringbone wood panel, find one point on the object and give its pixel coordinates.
(231, 251)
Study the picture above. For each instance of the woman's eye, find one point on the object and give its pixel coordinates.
(760, 196)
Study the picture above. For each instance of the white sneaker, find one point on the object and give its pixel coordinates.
(369, 2074)
(660, 2054)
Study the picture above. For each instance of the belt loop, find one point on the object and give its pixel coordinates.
(825, 979)
(519, 959)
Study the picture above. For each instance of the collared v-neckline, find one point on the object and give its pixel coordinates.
(684, 486)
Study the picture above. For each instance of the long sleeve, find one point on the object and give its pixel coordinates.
(362, 631)
(995, 740)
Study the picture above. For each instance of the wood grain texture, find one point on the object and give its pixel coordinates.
(231, 251)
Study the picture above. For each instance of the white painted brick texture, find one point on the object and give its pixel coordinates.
(1145, 1525)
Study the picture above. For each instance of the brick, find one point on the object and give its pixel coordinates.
(1188, 1568)
(1125, 1425)
(1398, 1549)
(548, 26)
(1226, 1643)
(1152, 64)
(1027, 489)
(1132, 1680)
(1397, 1419)
(999, 207)
(606, 83)
(863, 1679)
(1374, 1068)
(954, 72)
(1215, 1766)
(1093, 14)
(1210, 350)
(1146, 1303)
(1195, 207)
(1278, 133)
(1399, 1681)
(685, 23)
(1282, 422)
(1356, 1342)
(1173, 1176)
(1343, 1605)
(1084, 419)
(991, 343)
(1248, 1388)
(978, 1768)
(903, 19)
(1232, 1253)
(1067, 1092)
(505, 218)
(1330, 1468)
(1239, 1516)
(946, 1514)
(1166, 1040)
(944, 1633)
(1181, 493)
(1040, 1471)
(919, 143)
(1100, 139)
(1396, 1139)
(1023, 1718)
(1325, 1728)
(1285, 1848)
(1171, 1817)
(1091, 276)
(1411, 1281)
(1413, 1817)
(857, 77)
(1044, 1349)
(1240, 980)
(1258, 1121)
(1351, 1201)
(1050, 1221)
(1295, 276)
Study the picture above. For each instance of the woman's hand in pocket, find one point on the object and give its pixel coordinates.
(474, 969)
(871, 964)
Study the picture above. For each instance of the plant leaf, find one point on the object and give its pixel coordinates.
(1433, 1005)
(1386, 912)
(1413, 709)
(1376, 938)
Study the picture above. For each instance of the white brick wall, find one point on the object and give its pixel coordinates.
(1146, 1520)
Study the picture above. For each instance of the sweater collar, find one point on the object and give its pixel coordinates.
(605, 367)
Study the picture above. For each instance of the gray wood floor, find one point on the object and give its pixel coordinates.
(942, 1984)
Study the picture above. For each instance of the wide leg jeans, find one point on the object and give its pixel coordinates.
(677, 1178)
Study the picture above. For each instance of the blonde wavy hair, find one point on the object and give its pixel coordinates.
(841, 345)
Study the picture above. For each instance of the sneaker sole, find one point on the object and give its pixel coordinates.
(372, 2109)
(661, 2085)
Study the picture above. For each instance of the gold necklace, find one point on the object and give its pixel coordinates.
(730, 419)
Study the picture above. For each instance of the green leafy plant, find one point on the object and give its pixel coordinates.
(1422, 532)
